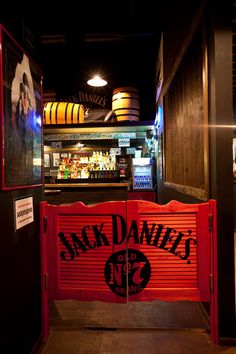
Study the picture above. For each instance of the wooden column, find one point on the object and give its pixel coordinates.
(220, 130)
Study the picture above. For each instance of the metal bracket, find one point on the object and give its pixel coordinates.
(210, 218)
(46, 280)
(45, 223)
(211, 282)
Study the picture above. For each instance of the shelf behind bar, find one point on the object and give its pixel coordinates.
(99, 127)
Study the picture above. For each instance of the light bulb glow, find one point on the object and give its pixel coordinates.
(97, 81)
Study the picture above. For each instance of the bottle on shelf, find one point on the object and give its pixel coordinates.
(97, 165)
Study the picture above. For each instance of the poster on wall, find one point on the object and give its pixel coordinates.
(96, 102)
(21, 135)
(24, 212)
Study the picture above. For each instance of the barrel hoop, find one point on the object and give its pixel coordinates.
(125, 91)
(125, 98)
(72, 111)
(130, 114)
(50, 112)
(78, 113)
(123, 108)
(67, 104)
(56, 111)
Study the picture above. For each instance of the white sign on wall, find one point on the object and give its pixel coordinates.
(24, 213)
(124, 142)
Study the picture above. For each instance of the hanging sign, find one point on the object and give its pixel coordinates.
(90, 136)
(124, 142)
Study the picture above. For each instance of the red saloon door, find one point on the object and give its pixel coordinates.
(173, 244)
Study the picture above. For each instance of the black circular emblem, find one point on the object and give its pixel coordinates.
(127, 272)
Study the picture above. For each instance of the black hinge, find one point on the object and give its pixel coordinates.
(211, 282)
(45, 223)
(210, 220)
(46, 279)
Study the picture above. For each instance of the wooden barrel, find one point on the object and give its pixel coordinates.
(125, 103)
(63, 113)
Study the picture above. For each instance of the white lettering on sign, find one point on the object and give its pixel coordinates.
(24, 213)
(124, 142)
(92, 136)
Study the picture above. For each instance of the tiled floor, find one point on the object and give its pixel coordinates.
(133, 328)
(72, 314)
(132, 342)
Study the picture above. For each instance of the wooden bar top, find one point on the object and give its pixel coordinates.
(87, 185)
(88, 193)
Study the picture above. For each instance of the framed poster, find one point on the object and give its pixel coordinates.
(47, 160)
(21, 117)
(24, 211)
(56, 159)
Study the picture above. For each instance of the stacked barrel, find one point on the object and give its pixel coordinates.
(125, 103)
(63, 113)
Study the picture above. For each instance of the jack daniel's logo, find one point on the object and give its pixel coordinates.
(88, 97)
(128, 271)
(96, 107)
(151, 234)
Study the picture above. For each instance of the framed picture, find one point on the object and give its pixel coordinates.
(47, 160)
(21, 117)
(56, 159)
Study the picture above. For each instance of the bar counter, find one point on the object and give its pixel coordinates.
(88, 193)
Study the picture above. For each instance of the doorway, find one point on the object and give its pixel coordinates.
(120, 257)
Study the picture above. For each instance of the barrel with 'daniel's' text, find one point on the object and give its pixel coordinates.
(63, 113)
(125, 103)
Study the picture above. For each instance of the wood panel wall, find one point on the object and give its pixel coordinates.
(185, 108)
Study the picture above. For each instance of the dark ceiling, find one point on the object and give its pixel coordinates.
(119, 39)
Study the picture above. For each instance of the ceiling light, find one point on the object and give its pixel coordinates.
(97, 81)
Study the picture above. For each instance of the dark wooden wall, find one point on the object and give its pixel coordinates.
(215, 20)
(20, 316)
(184, 121)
